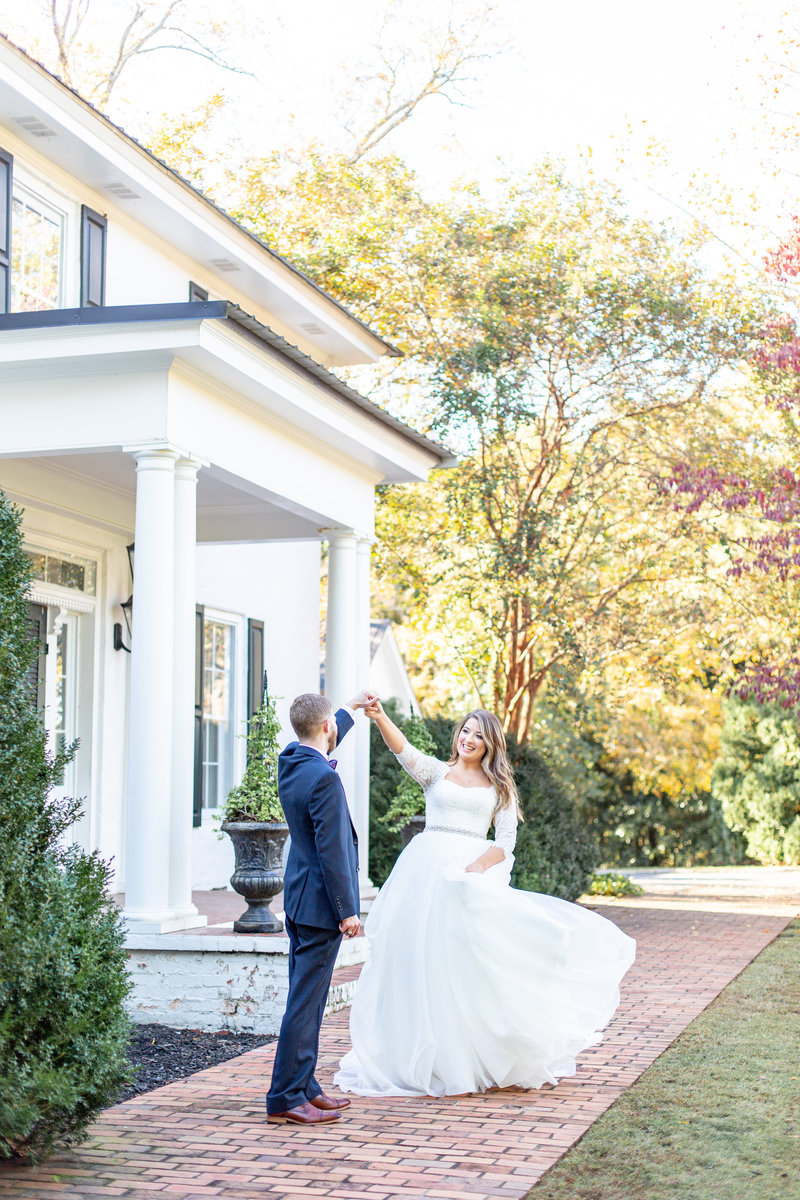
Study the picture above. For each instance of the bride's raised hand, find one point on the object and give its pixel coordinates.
(374, 709)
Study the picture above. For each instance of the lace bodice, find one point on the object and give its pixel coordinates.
(451, 806)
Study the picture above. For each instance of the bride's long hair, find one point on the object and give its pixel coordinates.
(495, 762)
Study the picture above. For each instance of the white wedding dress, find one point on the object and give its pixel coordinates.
(469, 983)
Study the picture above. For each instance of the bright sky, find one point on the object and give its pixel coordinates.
(610, 75)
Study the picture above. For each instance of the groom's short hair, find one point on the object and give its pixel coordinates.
(308, 712)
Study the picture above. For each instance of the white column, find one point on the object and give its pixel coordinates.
(184, 585)
(147, 901)
(361, 732)
(341, 648)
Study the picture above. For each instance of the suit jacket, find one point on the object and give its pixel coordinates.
(321, 881)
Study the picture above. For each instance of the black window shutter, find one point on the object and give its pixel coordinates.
(93, 258)
(255, 666)
(6, 181)
(197, 812)
(196, 292)
(37, 632)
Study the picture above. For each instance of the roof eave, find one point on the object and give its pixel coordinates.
(153, 162)
(247, 326)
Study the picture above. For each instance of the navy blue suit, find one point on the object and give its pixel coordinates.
(320, 890)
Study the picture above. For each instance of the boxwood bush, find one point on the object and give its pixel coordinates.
(63, 978)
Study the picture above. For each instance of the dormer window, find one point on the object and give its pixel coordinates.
(37, 252)
(52, 251)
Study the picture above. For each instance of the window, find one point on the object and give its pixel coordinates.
(224, 660)
(219, 659)
(37, 246)
(66, 570)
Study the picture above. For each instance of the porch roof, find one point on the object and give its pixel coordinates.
(249, 326)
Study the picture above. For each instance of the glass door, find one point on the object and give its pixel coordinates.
(61, 690)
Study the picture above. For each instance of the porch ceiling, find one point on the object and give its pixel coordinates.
(101, 487)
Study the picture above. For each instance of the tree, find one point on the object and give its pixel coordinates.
(90, 45)
(63, 973)
(564, 347)
(751, 500)
(415, 62)
(757, 779)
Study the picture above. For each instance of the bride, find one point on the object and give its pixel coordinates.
(471, 984)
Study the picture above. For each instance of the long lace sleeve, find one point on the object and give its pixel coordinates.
(424, 769)
(505, 829)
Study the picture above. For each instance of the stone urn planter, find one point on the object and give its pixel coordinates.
(258, 874)
(415, 825)
(253, 819)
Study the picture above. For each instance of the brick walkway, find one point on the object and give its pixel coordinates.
(207, 1136)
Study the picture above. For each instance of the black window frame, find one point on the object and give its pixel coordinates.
(37, 632)
(256, 675)
(197, 804)
(6, 209)
(89, 220)
(196, 292)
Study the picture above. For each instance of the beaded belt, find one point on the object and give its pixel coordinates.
(452, 829)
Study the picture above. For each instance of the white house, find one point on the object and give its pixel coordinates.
(170, 428)
(388, 674)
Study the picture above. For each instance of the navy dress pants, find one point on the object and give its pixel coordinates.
(312, 955)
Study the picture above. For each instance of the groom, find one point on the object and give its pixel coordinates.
(321, 900)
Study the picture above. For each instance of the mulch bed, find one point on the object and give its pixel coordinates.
(161, 1055)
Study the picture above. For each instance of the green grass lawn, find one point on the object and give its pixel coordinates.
(717, 1116)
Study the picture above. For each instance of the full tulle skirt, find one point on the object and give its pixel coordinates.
(471, 984)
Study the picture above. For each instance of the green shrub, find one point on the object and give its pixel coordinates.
(757, 778)
(652, 829)
(554, 853)
(609, 884)
(386, 775)
(63, 977)
(634, 825)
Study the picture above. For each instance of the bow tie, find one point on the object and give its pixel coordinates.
(332, 763)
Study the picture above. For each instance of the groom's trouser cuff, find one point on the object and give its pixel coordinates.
(313, 959)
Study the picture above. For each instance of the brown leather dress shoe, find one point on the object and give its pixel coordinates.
(329, 1103)
(304, 1114)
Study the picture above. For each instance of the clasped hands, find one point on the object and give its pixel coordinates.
(370, 702)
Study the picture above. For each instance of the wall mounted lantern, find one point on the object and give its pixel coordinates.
(127, 609)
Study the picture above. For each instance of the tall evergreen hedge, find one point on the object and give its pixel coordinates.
(63, 978)
(555, 852)
(757, 778)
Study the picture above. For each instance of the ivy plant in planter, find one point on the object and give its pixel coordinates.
(254, 821)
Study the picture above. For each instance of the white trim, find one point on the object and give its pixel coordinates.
(238, 693)
(57, 597)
